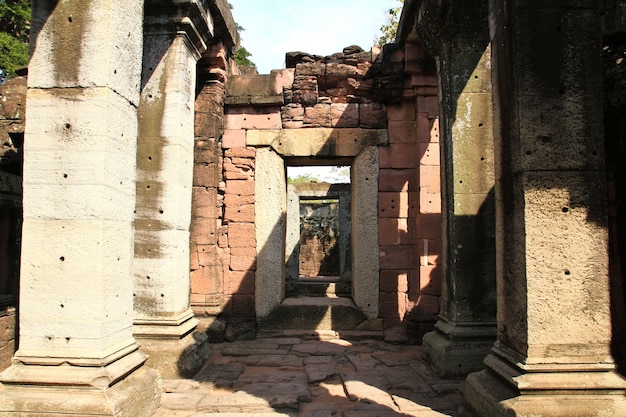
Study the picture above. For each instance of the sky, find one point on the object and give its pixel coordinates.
(320, 27)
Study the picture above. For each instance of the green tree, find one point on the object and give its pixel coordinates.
(242, 58)
(389, 29)
(14, 32)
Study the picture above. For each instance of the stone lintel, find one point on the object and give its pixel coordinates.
(318, 141)
(137, 395)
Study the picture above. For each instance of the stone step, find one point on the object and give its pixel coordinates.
(314, 313)
(318, 288)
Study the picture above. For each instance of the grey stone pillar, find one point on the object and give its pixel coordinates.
(76, 351)
(552, 356)
(164, 321)
(466, 328)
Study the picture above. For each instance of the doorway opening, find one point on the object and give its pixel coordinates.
(318, 244)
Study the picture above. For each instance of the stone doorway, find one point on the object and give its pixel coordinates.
(318, 239)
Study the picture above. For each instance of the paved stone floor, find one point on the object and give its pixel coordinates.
(319, 374)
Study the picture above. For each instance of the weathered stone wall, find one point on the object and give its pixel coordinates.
(345, 92)
(319, 243)
(12, 113)
(409, 203)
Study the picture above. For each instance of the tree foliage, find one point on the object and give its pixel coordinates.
(242, 58)
(14, 32)
(389, 29)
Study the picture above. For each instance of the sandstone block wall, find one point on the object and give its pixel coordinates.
(392, 89)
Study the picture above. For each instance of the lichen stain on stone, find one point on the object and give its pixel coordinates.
(69, 22)
(149, 191)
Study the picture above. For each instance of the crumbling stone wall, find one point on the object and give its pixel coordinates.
(12, 113)
(393, 89)
(319, 239)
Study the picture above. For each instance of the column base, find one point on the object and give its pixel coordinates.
(174, 347)
(456, 350)
(503, 389)
(120, 388)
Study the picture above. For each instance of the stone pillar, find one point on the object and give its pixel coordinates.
(76, 350)
(466, 327)
(552, 356)
(164, 321)
(270, 213)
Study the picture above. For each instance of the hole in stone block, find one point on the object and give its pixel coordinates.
(68, 126)
(528, 152)
(62, 306)
(567, 272)
(62, 258)
(69, 18)
(565, 209)
(64, 175)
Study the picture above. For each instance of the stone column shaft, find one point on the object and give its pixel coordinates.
(164, 322)
(552, 357)
(76, 349)
(466, 327)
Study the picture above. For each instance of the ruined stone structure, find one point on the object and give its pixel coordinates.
(156, 210)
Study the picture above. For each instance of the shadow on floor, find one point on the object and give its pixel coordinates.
(314, 374)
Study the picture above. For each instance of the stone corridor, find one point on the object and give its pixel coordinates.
(313, 374)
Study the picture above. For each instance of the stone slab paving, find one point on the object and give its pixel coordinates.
(293, 374)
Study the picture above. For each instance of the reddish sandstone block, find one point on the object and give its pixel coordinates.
(344, 115)
(233, 121)
(248, 152)
(434, 130)
(240, 187)
(239, 213)
(203, 230)
(400, 204)
(428, 104)
(207, 255)
(395, 280)
(423, 80)
(398, 257)
(206, 280)
(398, 156)
(429, 226)
(430, 279)
(423, 128)
(243, 263)
(317, 116)
(429, 202)
(193, 257)
(234, 139)
(396, 231)
(205, 175)
(243, 251)
(205, 151)
(402, 132)
(372, 116)
(397, 180)
(429, 251)
(241, 235)
(430, 176)
(392, 307)
(222, 239)
(404, 111)
(204, 202)
(240, 282)
(429, 154)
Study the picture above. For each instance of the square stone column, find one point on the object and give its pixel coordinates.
(552, 356)
(466, 328)
(76, 351)
(164, 322)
